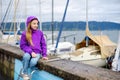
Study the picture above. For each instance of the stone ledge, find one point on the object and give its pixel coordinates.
(70, 70)
(66, 69)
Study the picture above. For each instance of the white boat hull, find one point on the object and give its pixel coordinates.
(63, 47)
(87, 55)
(95, 62)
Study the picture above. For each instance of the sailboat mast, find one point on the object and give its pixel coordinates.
(60, 31)
(86, 14)
(15, 4)
(87, 28)
(40, 12)
(52, 24)
(25, 11)
(0, 13)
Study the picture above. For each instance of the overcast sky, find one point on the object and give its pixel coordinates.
(98, 10)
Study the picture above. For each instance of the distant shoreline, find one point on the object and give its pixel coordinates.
(70, 26)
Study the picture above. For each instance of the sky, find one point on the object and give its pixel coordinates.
(98, 10)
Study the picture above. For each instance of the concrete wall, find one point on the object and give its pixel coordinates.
(6, 65)
(66, 69)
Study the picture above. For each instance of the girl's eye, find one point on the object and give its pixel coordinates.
(34, 23)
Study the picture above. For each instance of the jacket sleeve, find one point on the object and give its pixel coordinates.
(43, 46)
(24, 44)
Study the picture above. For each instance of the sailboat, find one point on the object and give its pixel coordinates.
(96, 51)
(59, 47)
(11, 36)
(93, 49)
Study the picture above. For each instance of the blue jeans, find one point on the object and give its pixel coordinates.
(29, 62)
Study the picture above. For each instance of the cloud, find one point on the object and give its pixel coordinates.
(99, 10)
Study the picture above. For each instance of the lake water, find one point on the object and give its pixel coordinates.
(78, 36)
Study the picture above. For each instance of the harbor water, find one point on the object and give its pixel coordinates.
(37, 75)
(77, 36)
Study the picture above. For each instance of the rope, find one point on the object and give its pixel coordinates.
(6, 13)
(16, 5)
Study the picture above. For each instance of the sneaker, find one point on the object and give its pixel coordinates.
(25, 76)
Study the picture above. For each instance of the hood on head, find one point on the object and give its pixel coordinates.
(30, 18)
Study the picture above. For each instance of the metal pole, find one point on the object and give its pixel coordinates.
(40, 12)
(60, 31)
(87, 38)
(86, 13)
(52, 24)
(0, 12)
(25, 11)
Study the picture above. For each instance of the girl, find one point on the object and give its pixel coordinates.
(33, 44)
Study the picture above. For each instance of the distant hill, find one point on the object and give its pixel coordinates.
(93, 25)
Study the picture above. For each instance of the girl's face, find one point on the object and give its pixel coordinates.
(34, 24)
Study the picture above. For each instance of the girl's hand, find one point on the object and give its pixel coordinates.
(33, 54)
(45, 58)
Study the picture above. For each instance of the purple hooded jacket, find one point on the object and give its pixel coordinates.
(37, 39)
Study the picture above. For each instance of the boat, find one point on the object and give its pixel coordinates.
(98, 49)
(63, 47)
(11, 36)
(93, 49)
(57, 47)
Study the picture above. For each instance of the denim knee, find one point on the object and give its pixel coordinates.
(33, 61)
(26, 56)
